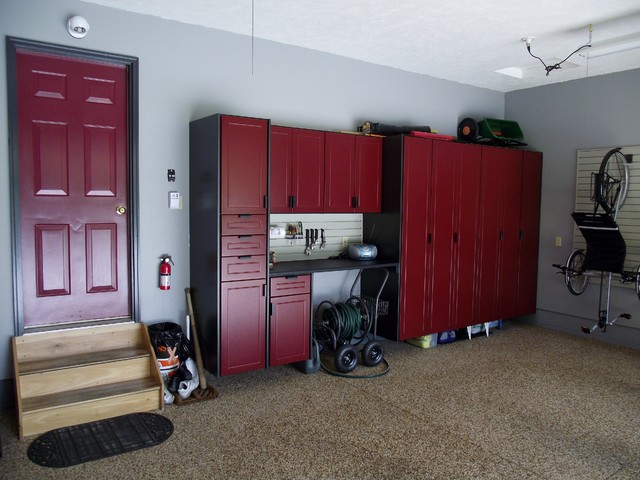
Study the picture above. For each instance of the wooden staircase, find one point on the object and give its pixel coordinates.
(67, 377)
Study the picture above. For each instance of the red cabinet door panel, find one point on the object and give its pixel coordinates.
(243, 268)
(242, 326)
(243, 172)
(529, 232)
(289, 330)
(280, 164)
(465, 264)
(243, 245)
(510, 248)
(339, 172)
(368, 174)
(415, 244)
(308, 170)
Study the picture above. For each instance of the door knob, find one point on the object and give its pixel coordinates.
(121, 209)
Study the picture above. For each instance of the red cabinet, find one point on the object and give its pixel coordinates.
(455, 189)
(353, 173)
(243, 157)
(228, 164)
(289, 331)
(500, 233)
(463, 219)
(296, 170)
(242, 326)
(441, 186)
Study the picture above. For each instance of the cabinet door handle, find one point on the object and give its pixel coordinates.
(288, 277)
(501, 235)
(245, 215)
(293, 201)
(521, 234)
(265, 200)
(244, 257)
(354, 202)
(428, 238)
(455, 237)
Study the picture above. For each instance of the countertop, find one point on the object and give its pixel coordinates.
(302, 267)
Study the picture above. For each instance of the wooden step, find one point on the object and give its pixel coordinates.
(85, 376)
(80, 396)
(44, 413)
(82, 359)
(79, 375)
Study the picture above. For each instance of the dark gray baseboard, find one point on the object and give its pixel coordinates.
(616, 335)
(7, 394)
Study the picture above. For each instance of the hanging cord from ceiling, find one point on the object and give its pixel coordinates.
(556, 66)
(253, 22)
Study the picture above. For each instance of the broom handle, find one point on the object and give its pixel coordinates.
(194, 337)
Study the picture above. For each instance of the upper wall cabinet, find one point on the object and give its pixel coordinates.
(353, 173)
(243, 159)
(297, 170)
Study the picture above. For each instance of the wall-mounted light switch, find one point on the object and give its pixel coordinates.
(558, 241)
(175, 201)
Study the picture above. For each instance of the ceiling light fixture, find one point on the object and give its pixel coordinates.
(555, 66)
(77, 26)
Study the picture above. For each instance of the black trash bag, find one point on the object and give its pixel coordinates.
(171, 345)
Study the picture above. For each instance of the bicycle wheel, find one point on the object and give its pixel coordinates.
(638, 281)
(614, 180)
(574, 278)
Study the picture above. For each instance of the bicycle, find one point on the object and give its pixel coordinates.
(606, 249)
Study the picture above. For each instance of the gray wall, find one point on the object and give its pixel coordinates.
(560, 119)
(188, 72)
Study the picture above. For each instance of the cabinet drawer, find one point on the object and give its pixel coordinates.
(237, 245)
(244, 224)
(243, 268)
(292, 285)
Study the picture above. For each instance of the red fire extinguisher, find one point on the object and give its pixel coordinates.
(165, 272)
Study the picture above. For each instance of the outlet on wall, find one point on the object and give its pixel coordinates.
(345, 242)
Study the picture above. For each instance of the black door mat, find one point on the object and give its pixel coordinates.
(68, 446)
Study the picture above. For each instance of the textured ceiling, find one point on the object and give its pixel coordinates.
(465, 41)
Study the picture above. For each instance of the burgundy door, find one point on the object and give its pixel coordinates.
(339, 180)
(289, 329)
(510, 233)
(368, 174)
(280, 169)
(244, 152)
(73, 179)
(242, 326)
(529, 232)
(444, 228)
(308, 170)
(415, 245)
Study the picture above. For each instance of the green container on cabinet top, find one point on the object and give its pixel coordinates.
(505, 130)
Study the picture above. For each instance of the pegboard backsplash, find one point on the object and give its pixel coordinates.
(336, 227)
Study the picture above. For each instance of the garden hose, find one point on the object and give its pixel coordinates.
(341, 322)
(349, 375)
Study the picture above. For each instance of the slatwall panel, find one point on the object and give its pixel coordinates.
(628, 219)
(335, 227)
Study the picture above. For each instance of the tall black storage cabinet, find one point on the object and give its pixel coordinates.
(228, 181)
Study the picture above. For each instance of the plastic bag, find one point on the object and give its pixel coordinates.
(172, 347)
